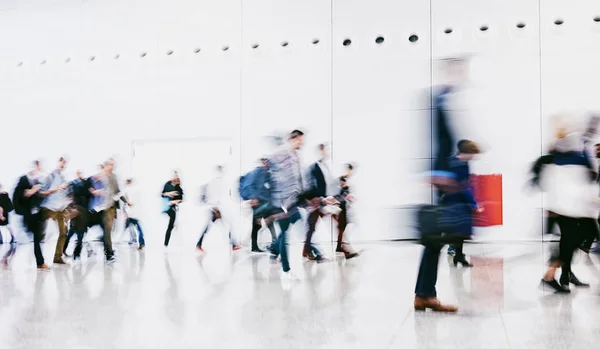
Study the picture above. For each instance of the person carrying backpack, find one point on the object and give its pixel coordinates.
(255, 187)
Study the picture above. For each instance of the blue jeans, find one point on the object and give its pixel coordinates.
(136, 224)
(428, 271)
(281, 246)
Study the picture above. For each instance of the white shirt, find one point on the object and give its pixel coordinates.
(331, 183)
(216, 192)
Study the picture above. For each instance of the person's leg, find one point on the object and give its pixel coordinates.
(70, 234)
(589, 233)
(172, 216)
(283, 240)
(583, 230)
(138, 226)
(35, 225)
(60, 217)
(213, 218)
(425, 292)
(428, 269)
(79, 245)
(256, 225)
(310, 251)
(109, 218)
(130, 225)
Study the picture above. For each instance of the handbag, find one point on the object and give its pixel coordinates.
(434, 227)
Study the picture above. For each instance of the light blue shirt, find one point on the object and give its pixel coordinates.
(57, 201)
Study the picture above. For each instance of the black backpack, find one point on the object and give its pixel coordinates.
(19, 199)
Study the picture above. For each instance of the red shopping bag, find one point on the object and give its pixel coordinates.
(487, 190)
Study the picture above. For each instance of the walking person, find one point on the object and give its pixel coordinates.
(132, 222)
(443, 142)
(55, 204)
(216, 194)
(346, 198)
(258, 190)
(110, 204)
(570, 195)
(6, 206)
(322, 186)
(173, 194)
(288, 193)
(79, 213)
(27, 201)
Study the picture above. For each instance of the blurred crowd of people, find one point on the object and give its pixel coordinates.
(276, 190)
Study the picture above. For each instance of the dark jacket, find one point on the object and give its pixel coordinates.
(317, 185)
(80, 191)
(444, 141)
(7, 207)
(261, 184)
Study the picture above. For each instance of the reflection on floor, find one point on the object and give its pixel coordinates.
(179, 299)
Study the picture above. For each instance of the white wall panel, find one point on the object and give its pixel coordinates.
(379, 119)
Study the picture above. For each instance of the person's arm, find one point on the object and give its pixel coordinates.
(165, 192)
(45, 191)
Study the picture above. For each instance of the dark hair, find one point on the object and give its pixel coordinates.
(467, 147)
(295, 134)
(349, 166)
(36, 162)
(321, 146)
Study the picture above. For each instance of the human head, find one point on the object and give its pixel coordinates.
(36, 167)
(597, 150)
(79, 174)
(175, 179)
(467, 149)
(323, 153)
(109, 166)
(62, 163)
(128, 181)
(348, 170)
(456, 70)
(296, 139)
(264, 162)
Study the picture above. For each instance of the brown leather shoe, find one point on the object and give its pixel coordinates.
(433, 304)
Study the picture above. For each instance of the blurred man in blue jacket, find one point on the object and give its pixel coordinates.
(260, 186)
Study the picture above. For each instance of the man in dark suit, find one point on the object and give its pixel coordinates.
(319, 176)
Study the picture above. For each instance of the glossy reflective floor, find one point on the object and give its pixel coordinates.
(179, 299)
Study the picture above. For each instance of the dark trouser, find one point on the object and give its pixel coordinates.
(281, 246)
(256, 226)
(572, 234)
(78, 226)
(428, 271)
(589, 227)
(108, 219)
(35, 224)
(311, 225)
(342, 223)
(214, 216)
(172, 213)
(136, 224)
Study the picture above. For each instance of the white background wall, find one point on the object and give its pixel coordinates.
(73, 81)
